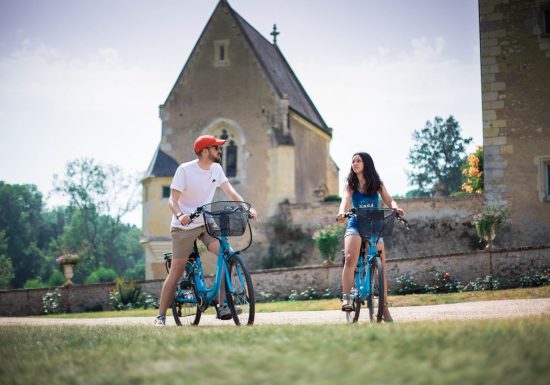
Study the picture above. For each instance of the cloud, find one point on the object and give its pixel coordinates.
(55, 107)
(375, 104)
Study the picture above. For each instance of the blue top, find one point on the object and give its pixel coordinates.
(361, 200)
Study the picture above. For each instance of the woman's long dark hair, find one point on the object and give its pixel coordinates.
(372, 180)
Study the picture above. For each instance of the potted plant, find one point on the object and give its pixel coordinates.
(67, 262)
(488, 221)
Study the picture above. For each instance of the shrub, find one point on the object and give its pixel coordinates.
(101, 275)
(535, 277)
(328, 240)
(35, 283)
(266, 296)
(442, 283)
(309, 294)
(51, 302)
(407, 285)
(333, 198)
(473, 172)
(129, 296)
(481, 284)
(56, 279)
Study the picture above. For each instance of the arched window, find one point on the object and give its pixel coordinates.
(229, 153)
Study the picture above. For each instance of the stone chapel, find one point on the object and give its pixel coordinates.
(237, 85)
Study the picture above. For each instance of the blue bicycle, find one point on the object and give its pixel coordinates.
(193, 295)
(369, 274)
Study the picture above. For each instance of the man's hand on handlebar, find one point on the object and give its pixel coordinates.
(185, 219)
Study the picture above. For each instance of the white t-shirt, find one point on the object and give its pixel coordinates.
(197, 187)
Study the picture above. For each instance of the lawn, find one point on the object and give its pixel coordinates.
(334, 304)
(515, 351)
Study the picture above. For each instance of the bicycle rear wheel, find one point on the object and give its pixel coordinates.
(185, 307)
(241, 299)
(375, 300)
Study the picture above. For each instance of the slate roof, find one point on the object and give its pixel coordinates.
(276, 68)
(279, 72)
(161, 165)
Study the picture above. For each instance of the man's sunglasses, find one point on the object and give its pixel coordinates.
(219, 148)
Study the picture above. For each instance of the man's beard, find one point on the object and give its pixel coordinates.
(215, 159)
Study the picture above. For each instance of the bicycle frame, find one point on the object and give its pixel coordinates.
(205, 293)
(362, 284)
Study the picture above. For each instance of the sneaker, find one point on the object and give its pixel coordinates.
(224, 313)
(160, 320)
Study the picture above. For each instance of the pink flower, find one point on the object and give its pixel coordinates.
(446, 275)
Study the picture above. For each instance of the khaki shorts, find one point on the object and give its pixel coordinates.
(182, 240)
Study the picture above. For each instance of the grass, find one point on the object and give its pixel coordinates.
(334, 304)
(515, 351)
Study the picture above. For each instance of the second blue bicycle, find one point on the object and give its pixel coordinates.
(369, 281)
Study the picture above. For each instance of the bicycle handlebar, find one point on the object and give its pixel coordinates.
(198, 212)
(405, 222)
(195, 214)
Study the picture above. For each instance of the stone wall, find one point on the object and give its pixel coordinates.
(465, 267)
(515, 58)
(438, 226)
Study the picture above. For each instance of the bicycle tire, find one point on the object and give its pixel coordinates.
(353, 316)
(186, 313)
(242, 297)
(375, 299)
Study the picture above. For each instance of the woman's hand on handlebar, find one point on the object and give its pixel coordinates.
(340, 217)
(400, 211)
(253, 213)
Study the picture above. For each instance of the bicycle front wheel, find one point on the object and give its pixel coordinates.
(375, 299)
(185, 307)
(240, 298)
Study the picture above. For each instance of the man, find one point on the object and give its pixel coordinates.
(194, 185)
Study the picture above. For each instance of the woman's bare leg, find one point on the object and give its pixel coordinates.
(386, 316)
(352, 246)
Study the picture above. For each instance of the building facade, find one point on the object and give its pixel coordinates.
(515, 75)
(238, 86)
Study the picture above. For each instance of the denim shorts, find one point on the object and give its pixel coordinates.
(355, 231)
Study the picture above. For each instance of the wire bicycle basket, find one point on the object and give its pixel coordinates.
(374, 221)
(226, 218)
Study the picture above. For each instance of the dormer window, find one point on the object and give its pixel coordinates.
(221, 53)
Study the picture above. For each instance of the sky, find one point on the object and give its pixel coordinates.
(85, 78)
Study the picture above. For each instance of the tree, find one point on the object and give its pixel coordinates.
(21, 221)
(437, 157)
(6, 266)
(473, 172)
(99, 196)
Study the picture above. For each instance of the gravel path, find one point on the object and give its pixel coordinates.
(458, 311)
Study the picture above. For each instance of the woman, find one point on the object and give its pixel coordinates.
(363, 188)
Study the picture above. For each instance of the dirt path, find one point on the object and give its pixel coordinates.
(458, 311)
